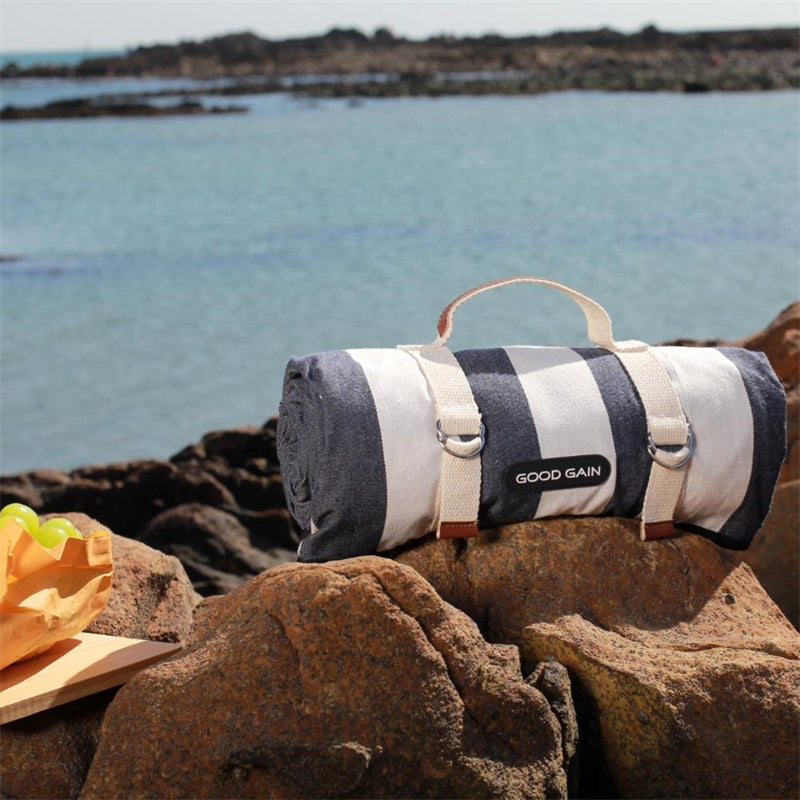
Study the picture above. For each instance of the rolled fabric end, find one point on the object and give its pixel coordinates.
(294, 457)
(329, 447)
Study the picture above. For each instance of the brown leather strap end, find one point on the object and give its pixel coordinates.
(457, 530)
(658, 530)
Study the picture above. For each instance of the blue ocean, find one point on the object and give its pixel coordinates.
(158, 273)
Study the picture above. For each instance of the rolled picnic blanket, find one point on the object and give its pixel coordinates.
(380, 446)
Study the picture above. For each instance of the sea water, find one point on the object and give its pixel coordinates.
(168, 268)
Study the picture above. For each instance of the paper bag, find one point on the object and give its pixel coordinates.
(49, 594)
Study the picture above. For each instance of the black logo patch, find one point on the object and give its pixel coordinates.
(568, 472)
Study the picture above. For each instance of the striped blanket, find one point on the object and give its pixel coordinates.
(361, 461)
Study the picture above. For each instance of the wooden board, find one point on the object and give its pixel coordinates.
(73, 668)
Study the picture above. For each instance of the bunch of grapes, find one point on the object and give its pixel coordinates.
(49, 534)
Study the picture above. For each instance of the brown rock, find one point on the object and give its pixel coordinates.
(780, 341)
(31, 487)
(216, 549)
(235, 446)
(48, 754)
(791, 466)
(774, 555)
(350, 679)
(679, 659)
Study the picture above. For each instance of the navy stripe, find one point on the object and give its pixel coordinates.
(331, 454)
(768, 406)
(628, 421)
(510, 434)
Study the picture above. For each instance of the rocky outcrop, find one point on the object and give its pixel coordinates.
(47, 755)
(349, 679)
(87, 107)
(355, 678)
(678, 656)
(214, 546)
(228, 485)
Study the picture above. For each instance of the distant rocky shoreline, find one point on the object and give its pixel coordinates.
(350, 64)
(763, 58)
(86, 107)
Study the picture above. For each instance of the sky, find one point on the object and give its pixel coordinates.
(33, 25)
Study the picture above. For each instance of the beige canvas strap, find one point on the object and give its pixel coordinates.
(666, 425)
(461, 433)
(598, 323)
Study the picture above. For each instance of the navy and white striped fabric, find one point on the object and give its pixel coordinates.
(361, 462)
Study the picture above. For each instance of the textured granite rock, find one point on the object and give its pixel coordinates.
(774, 555)
(679, 658)
(48, 754)
(349, 679)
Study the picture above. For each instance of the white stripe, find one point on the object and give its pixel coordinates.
(412, 456)
(715, 401)
(570, 418)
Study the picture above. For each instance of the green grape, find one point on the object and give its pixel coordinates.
(72, 531)
(21, 511)
(53, 532)
(16, 518)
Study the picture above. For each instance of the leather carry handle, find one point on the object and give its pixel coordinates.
(598, 322)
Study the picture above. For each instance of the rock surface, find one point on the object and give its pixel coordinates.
(679, 659)
(774, 555)
(47, 755)
(350, 679)
(215, 548)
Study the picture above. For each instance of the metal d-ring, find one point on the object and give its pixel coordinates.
(477, 442)
(686, 451)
